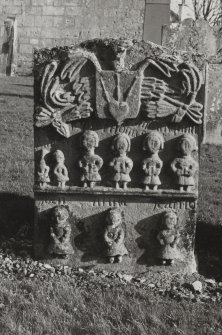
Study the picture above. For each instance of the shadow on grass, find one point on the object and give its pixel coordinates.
(28, 96)
(16, 222)
(209, 249)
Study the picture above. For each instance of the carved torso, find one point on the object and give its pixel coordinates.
(167, 239)
(152, 167)
(184, 168)
(60, 240)
(114, 237)
(122, 166)
(61, 173)
(90, 165)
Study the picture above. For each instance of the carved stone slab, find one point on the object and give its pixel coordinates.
(118, 125)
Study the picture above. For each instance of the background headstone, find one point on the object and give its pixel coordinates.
(198, 37)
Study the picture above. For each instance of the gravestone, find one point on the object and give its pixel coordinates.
(199, 37)
(118, 125)
(8, 48)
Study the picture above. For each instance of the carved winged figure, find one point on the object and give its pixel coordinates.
(79, 87)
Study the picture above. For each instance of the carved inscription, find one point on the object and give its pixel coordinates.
(176, 205)
(110, 202)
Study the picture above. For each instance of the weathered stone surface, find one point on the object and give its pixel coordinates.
(119, 97)
(198, 36)
(214, 105)
(190, 35)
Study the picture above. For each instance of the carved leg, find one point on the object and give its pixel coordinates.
(85, 184)
(163, 261)
(188, 188)
(171, 261)
(119, 259)
(155, 187)
(147, 187)
(181, 188)
(117, 185)
(125, 185)
(63, 184)
(91, 184)
(111, 260)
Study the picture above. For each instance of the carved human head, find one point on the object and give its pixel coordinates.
(153, 141)
(59, 156)
(169, 219)
(120, 50)
(60, 215)
(8, 25)
(89, 139)
(114, 217)
(121, 143)
(187, 144)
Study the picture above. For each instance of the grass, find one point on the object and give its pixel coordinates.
(65, 306)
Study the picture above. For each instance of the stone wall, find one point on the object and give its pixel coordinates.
(47, 23)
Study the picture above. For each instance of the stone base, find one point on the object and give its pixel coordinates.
(141, 223)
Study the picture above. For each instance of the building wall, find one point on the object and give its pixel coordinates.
(46, 23)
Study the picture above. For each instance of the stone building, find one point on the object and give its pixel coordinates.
(47, 23)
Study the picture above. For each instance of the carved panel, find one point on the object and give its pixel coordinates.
(118, 125)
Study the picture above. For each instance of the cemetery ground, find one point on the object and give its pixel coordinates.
(40, 299)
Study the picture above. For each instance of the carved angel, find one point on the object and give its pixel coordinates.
(160, 99)
(66, 95)
(79, 88)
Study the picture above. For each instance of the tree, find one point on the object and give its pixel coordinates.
(210, 10)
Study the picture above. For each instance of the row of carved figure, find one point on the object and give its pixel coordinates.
(121, 165)
(113, 236)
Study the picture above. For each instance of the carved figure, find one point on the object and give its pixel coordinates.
(90, 163)
(153, 143)
(185, 166)
(43, 173)
(60, 171)
(121, 164)
(60, 232)
(114, 236)
(168, 238)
